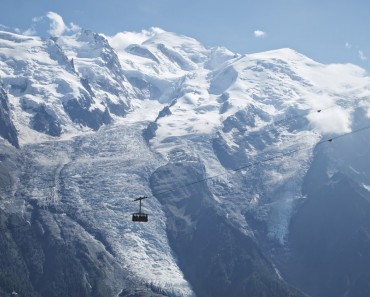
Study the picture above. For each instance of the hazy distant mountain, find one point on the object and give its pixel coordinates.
(247, 198)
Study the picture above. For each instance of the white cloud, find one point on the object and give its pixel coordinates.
(362, 55)
(333, 121)
(3, 27)
(57, 25)
(348, 45)
(37, 19)
(51, 23)
(30, 31)
(259, 33)
(73, 27)
(123, 39)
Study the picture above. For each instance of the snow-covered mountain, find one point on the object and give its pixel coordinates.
(230, 149)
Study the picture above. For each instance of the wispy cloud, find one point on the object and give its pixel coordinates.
(123, 39)
(3, 27)
(57, 25)
(362, 56)
(37, 19)
(51, 23)
(30, 31)
(259, 34)
(334, 121)
(356, 49)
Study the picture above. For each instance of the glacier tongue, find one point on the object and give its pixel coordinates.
(93, 179)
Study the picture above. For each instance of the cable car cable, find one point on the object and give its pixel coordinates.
(288, 119)
(227, 172)
(275, 125)
(261, 161)
(251, 164)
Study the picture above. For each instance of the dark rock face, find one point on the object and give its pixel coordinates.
(147, 89)
(242, 122)
(221, 261)
(138, 50)
(7, 128)
(174, 57)
(149, 132)
(79, 112)
(36, 263)
(328, 247)
(227, 157)
(329, 241)
(216, 258)
(86, 85)
(57, 54)
(44, 122)
(118, 109)
(164, 112)
(140, 292)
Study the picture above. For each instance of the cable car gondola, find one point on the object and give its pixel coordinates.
(140, 216)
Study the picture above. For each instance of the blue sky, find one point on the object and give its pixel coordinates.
(327, 31)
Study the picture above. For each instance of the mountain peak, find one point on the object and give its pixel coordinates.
(286, 54)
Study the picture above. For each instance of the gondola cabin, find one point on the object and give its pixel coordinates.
(140, 216)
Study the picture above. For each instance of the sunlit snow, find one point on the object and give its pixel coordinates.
(266, 112)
